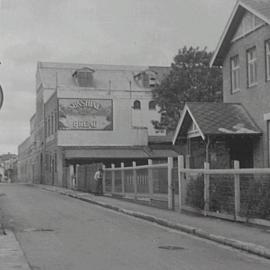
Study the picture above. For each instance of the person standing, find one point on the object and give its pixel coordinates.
(98, 178)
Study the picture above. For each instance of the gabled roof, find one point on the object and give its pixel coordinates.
(260, 8)
(216, 119)
(115, 77)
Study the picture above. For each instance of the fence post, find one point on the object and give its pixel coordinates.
(76, 182)
(236, 191)
(123, 178)
(180, 165)
(206, 189)
(103, 179)
(150, 180)
(134, 179)
(113, 179)
(170, 184)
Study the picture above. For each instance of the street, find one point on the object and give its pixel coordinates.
(58, 232)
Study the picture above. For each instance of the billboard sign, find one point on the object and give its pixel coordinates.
(85, 114)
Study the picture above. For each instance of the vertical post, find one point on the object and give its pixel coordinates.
(206, 189)
(123, 178)
(150, 180)
(113, 179)
(70, 178)
(236, 191)
(76, 179)
(170, 184)
(104, 179)
(180, 165)
(134, 179)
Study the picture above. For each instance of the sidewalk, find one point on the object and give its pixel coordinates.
(11, 255)
(253, 239)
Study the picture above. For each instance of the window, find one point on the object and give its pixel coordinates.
(152, 105)
(55, 119)
(251, 67)
(52, 124)
(235, 73)
(137, 105)
(49, 126)
(267, 59)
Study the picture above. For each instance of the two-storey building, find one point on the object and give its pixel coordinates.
(95, 114)
(239, 129)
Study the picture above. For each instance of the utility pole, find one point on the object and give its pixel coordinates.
(1, 95)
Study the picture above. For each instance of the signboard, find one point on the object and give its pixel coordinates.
(1, 97)
(85, 114)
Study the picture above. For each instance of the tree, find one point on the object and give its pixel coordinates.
(190, 79)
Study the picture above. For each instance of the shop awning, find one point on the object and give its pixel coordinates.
(118, 153)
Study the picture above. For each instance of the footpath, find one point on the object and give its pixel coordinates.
(11, 255)
(253, 239)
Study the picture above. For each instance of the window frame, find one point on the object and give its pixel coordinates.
(137, 107)
(267, 60)
(252, 69)
(152, 105)
(235, 73)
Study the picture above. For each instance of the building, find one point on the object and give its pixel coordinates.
(92, 114)
(242, 130)
(8, 163)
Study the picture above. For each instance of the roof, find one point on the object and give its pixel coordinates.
(260, 8)
(119, 153)
(213, 118)
(112, 77)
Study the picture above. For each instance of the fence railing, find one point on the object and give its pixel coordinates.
(237, 194)
(152, 183)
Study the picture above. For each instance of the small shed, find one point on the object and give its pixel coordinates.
(217, 133)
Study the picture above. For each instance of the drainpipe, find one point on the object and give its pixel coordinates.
(207, 148)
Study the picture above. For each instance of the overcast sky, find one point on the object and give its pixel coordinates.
(132, 32)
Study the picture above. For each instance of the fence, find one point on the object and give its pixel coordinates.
(153, 184)
(236, 194)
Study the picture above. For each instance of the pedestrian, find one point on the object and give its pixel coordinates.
(98, 178)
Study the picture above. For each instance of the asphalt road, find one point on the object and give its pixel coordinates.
(58, 232)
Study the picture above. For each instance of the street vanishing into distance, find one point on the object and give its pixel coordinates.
(62, 233)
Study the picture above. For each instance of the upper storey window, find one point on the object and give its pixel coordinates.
(152, 105)
(235, 74)
(251, 67)
(84, 77)
(267, 59)
(137, 105)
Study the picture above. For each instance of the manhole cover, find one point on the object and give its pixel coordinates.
(38, 230)
(171, 247)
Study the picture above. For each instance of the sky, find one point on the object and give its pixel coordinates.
(125, 32)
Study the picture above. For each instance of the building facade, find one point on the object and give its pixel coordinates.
(93, 114)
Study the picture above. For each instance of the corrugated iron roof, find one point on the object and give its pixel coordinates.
(217, 119)
(113, 77)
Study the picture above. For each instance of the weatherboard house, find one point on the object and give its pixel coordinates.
(238, 129)
(92, 114)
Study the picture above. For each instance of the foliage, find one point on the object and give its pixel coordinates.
(195, 191)
(255, 197)
(190, 79)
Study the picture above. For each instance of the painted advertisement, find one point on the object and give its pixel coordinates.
(85, 114)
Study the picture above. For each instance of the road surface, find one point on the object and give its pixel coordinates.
(58, 232)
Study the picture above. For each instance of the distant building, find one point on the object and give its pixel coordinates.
(92, 113)
(8, 166)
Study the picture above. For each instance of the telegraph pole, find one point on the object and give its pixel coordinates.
(1, 95)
